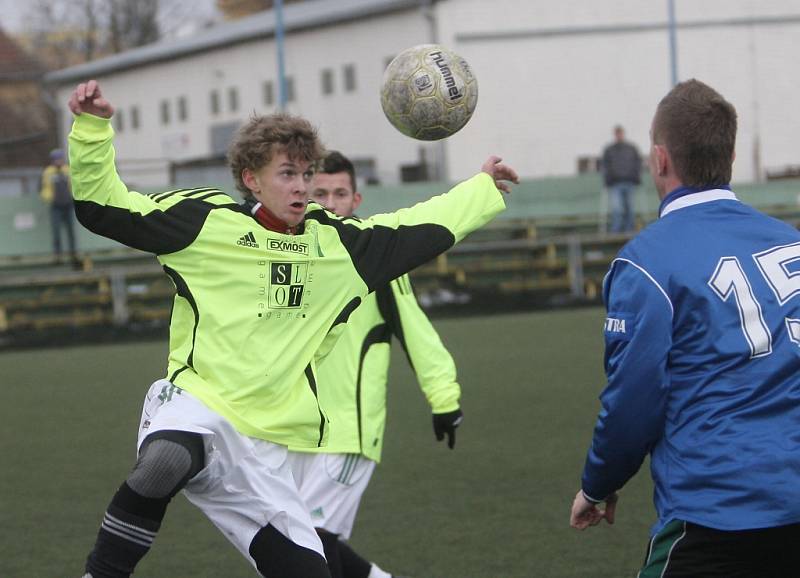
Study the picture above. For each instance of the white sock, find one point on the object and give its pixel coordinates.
(376, 572)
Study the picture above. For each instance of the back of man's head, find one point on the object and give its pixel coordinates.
(335, 162)
(697, 126)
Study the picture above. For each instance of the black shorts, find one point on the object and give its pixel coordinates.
(686, 550)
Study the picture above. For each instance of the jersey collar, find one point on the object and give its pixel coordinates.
(687, 196)
(268, 220)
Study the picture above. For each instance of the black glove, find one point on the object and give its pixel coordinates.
(446, 423)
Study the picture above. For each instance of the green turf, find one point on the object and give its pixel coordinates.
(496, 507)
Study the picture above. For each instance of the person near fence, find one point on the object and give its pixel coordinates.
(621, 166)
(261, 287)
(702, 359)
(56, 192)
(353, 378)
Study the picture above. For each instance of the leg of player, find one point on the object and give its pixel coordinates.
(354, 566)
(276, 556)
(330, 543)
(167, 461)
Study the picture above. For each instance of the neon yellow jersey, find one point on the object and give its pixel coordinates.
(353, 375)
(253, 306)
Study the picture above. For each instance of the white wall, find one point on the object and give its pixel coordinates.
(546, 100)
(554, 78)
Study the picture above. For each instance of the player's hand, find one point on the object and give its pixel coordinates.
(586, 513)
(446, 423)
(500, 173)
(88, 98)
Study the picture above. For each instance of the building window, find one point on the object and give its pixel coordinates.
(119, 120)
(214, 101)
(268, 90)
(327, 81)
(135, 117)
(183, 109)
(165, 112)
(233, 99)
(349, 77)
(290, 92)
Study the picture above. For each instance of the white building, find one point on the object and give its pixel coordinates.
(554, 78)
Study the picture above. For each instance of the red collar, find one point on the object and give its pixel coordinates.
(268, 220)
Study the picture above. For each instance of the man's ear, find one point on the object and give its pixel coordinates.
(356, 199)
(662, 159)
(249, 180)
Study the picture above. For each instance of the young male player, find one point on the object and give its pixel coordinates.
(703, 363)
(258, 288)
(352, 381)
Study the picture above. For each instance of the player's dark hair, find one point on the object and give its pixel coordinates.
(698, 128)
(335, 162)
(262, 137)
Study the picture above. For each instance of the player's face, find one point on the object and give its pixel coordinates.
(334, 191)
(282, 187)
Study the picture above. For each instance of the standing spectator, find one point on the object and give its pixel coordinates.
(703, 363)
(622, 167)
(57, 193)
(352, 378)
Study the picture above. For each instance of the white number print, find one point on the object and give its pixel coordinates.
(729, 278)
(774, 266)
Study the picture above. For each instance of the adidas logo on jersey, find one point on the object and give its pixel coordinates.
(248, 240)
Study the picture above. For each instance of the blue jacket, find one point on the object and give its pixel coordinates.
(703, 365)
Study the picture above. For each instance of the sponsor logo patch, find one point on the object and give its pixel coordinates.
(618, 326)
(248, 240)
(287, 246)
(286, 284)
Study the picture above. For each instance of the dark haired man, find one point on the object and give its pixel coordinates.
(703, 363)
(259, 288)
(352, 381)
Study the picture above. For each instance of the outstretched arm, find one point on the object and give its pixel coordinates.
(386, 246)
(160, 224)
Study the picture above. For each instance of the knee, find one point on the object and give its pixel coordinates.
(166, 464)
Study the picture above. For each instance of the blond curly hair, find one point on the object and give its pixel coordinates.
(263, 136)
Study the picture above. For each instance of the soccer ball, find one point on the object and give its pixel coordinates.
(428, 92)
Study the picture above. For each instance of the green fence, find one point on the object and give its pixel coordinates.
(25, 228)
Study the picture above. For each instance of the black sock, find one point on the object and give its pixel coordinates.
(129, 527)
(353, 565)
(330, 543)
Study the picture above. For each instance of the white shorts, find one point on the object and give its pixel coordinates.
(246, 483)
(331, 485)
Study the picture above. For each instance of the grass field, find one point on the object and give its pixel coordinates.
(496, 507)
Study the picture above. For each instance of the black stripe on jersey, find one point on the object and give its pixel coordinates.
(162, 192)
(193, 192)
(158, 232)
(387, 305)
(214, 194)
(177, 372)
(382, 253)
(378, 334)
(345, 313)
(312, 383)
(183, 290)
